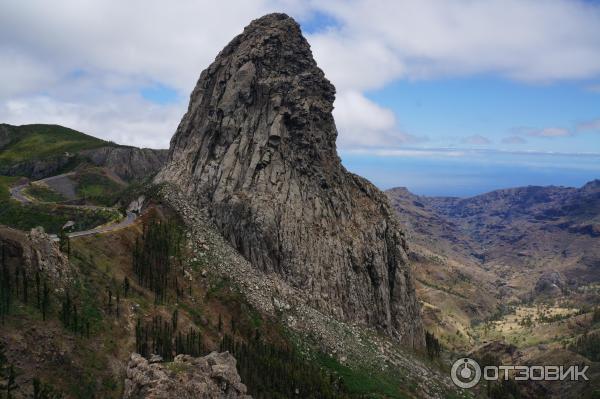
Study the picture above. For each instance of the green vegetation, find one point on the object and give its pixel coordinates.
(42, 390)
(272, 371)
(588, 345)
(95, 187)
(52, 218)
(163, 338)
(596, 315)
(43, 193)
(5, 183)
(433, 345)
(90, 313)
(35, 142)
(440, 288)
(362, 383)
(49, 216)
(154, 257)
(7, 373)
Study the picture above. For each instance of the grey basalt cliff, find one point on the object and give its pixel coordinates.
(257, 149)
(129, 163)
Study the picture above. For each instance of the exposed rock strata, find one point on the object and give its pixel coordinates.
(257, 149)
(129, 163)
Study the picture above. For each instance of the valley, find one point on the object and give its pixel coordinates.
(516, 266)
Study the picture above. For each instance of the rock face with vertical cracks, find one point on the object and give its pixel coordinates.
(257, 149)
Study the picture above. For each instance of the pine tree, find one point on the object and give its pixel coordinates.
(38, 299)
(5, 287)
(432, 345)
(153, 255)
(64, 243)
(175, 319)
(11, 382)
(118, 303)
(126, 286)
(45, 300)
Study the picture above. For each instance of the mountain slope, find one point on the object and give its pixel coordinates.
(39, 151)
(256, 148)
(520, 234)
(489, 257)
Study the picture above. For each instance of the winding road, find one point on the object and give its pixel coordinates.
(16, 193)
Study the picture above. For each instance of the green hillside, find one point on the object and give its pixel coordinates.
(37, 142)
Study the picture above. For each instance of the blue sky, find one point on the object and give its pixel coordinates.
(439, 97)
(445, 113)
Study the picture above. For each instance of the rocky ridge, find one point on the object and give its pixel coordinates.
(129, 163)
(256, 148)
(212, 376)
(36, 251)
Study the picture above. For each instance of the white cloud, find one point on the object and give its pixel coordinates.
(82, 63)
(521, 39)
(162, 41)
(21, 74)
(470, 153)
(127, 120)
(593, 88)
(366, 124)
(410, 152)
(476, 139)
(590, 126)
(355, 63)
(549, 132)
(514, 140)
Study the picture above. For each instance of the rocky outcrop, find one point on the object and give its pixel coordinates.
(5, 135)
(36, 251)
(38, 169)
(129, 163)
(256, 148)
(550, 283)
(210, 377)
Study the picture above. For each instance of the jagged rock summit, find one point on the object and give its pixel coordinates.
(257, 149)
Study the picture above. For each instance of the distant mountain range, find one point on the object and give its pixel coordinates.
(478, 254)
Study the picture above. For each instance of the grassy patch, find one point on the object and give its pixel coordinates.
(195, 312)
(362, 383)
(177, 367)
(95, 187)
(43, 193)
(35, 142)
(5, 183)
(50, 217)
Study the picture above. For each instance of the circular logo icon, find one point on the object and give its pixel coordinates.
(465, 373)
